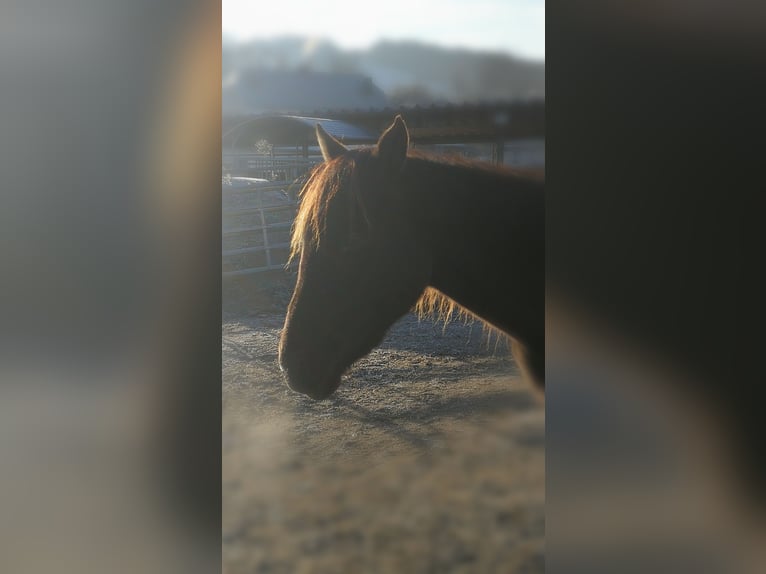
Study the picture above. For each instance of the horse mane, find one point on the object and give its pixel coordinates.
(325, 181)
(433, 304)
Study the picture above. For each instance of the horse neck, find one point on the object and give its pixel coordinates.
(484, 231)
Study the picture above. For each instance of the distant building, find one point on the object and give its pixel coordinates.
(289, 91)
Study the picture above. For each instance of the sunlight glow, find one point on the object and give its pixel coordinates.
(513, 26)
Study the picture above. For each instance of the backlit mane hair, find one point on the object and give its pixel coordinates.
(312, 207)
(327, 179)
(323, 183)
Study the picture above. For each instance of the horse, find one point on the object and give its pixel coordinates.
(386, 229)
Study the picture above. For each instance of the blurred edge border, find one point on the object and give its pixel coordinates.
(655, 207)
(111, 264)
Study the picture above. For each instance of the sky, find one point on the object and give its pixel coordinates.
(513, 26)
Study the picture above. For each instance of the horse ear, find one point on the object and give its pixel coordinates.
(331, 148)
(393, 144)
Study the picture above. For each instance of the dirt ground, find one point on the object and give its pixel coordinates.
(428, 458)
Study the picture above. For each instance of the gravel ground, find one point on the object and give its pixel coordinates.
(428, 458)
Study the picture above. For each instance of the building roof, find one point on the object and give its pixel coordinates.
(292, 130)
(262, 91)
(465, 123)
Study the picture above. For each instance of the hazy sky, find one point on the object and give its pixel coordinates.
(515, 26)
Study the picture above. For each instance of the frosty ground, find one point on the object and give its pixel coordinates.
(428, 458)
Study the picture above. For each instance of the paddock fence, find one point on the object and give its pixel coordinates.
(257, 220)
(283, 165)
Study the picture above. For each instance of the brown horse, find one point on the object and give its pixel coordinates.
(383, 229)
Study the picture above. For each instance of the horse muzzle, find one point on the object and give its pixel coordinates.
(306, 381)
(312, 389)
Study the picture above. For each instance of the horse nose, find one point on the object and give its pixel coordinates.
(281, 355)
(283, 363)
(294, 378)
(288, 364)
(303, 379)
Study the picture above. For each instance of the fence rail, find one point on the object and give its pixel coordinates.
(285, 168)
(256, 221)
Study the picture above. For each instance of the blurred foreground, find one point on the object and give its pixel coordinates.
(429, 457)
(109, 363)
(641, 473)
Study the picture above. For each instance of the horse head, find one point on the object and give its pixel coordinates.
(361, 266)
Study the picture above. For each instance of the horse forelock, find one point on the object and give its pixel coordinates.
(320, 187)
(323, 184)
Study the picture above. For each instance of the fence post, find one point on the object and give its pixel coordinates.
(265, 229)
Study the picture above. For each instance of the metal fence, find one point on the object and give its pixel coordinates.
(276, 167)
(256, 227)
